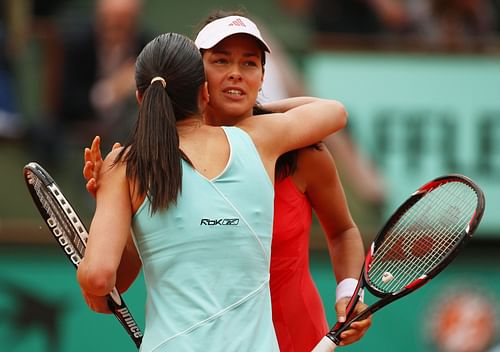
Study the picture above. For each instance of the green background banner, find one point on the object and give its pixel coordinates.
(419, 117)
(42, 310)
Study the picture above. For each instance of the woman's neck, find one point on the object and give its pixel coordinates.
(212, 119)
(189, 124)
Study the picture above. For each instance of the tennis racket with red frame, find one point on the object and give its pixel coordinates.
(71, 234)
(418, 241)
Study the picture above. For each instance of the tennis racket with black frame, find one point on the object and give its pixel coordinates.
(71, 234)
(418, 241)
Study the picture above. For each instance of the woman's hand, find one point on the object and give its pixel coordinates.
(92, 164)
(358, 328)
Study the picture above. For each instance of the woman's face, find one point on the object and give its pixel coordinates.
(234, 74)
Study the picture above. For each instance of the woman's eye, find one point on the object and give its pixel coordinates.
(250, 63)
(220, 61)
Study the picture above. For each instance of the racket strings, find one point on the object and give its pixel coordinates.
(423, 236)
(425, 240)
(58, 220)
(418, 243)
(420, 246)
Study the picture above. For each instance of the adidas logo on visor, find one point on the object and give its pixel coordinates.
(238, 22)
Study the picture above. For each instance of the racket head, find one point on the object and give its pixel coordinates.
(423, 235)
(60, 217)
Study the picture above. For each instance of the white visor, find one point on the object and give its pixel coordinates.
(215, 31)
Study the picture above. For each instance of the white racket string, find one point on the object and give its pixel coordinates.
(414, 231)
(418, 234)
(426, 235)
(423, 236)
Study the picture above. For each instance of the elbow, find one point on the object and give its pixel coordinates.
(338, 115)
(97, 281)
(343, 115)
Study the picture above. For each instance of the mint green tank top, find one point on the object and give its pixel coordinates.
(206, 259)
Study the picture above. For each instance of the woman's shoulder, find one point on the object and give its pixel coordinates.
(112, 161)
(314, 154)
(113, 154)
(315, 163)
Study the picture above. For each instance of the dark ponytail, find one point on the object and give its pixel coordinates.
(153, 156)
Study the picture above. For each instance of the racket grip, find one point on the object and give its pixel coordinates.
(120, 310)
(325, 345)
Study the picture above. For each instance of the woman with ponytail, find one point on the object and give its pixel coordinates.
(199, 200)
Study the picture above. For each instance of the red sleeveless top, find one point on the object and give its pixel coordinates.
(298, 314)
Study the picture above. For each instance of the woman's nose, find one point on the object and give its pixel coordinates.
(235, 75)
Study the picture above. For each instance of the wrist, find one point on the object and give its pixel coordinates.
(346, 288)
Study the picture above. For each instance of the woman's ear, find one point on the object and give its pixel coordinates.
(138, 96)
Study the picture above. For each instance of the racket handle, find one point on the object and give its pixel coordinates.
(121, 312)
(325, 345)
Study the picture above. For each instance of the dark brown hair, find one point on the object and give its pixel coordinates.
(152, 155)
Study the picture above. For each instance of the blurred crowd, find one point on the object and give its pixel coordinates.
(450, 25)
(85, 79)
